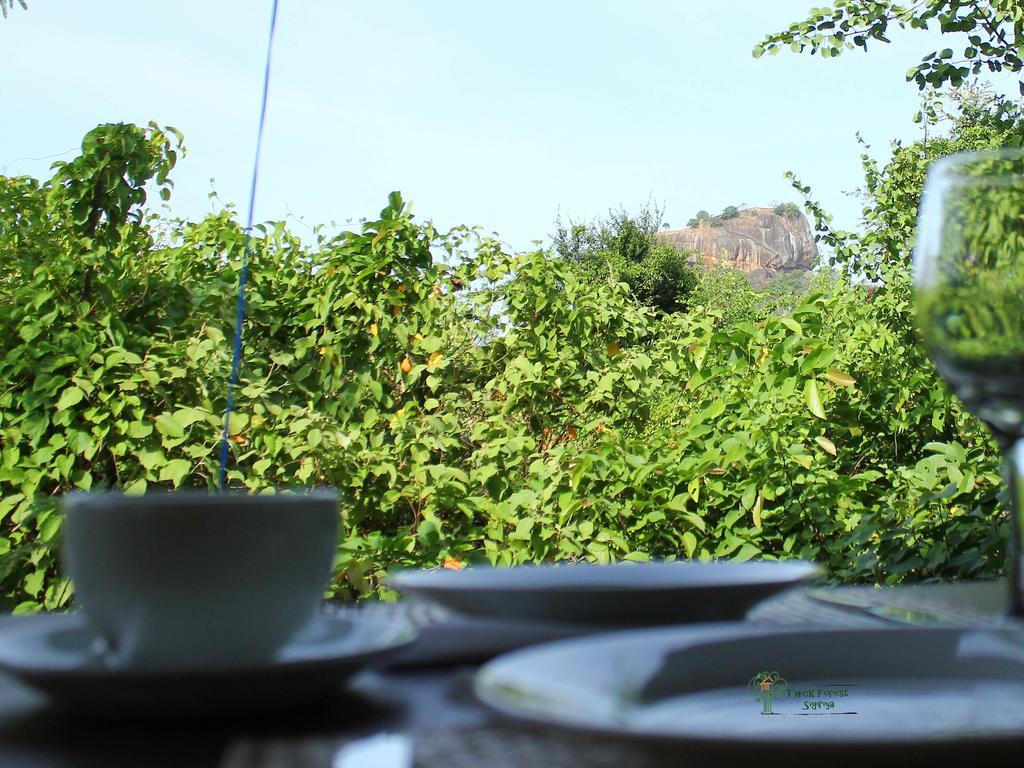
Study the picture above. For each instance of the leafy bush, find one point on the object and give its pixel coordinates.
(696, 220)
(471, 405)
(624, 248)
(725, 293)
(789, 210)
(786, 288)
(729, 212)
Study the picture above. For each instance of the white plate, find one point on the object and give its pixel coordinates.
(911, 694)
(628, 594)
(51, 653)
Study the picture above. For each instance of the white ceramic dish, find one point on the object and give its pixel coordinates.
(913, 695)
(631, 594)
(54, 654)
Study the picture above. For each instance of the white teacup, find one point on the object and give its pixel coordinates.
(194, 579)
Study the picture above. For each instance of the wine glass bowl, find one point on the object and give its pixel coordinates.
(969, 283)
(969, 296)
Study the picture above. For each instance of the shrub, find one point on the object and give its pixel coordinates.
(696, 220)
(625, 248)
(475, 407)
(789, 210)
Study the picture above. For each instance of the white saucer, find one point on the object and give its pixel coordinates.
(619, 595)
(51, 653)
(899, 695)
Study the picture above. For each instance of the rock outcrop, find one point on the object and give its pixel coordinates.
(759, 242)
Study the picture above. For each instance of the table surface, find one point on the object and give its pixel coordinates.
(421, 703)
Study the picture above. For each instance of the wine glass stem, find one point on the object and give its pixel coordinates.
(1013, 462)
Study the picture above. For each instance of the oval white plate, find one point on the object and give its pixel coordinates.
(910, 693)
(627, 594)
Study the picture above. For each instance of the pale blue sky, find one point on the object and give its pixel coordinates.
(499, 114)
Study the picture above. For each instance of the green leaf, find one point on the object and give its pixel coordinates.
(139, 429)
(814, 398)
(237, 422)
(952, 451)
(804, 461)
(175, 471)
(169, 426)
(746, 552)
(427, 533)
(826, 445)
(136, 487)
(713, 411)
(150, 458)
(695, 520)
(840, 378)
(637, 557)
(26, 608)
(50, 528)
(186, 417)
(792, 324)
(82, 480)
(69, 397)
(689, 543)
(748, 497)
(818, 358)
(678, 502)
(33, 583)
(523, 531)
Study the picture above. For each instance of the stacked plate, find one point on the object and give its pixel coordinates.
(728, 692)
(493, 610)
(623, 595)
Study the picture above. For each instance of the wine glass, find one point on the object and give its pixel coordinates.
(969, 294)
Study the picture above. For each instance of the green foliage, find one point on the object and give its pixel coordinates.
(625, 248)
(725, 293)
(789, 413)
(789, 210)
(971, 303)
(988, 33)
(702, 215)
(789, 283)
(923, 409)
(729, 212)
(664, 279)
(471, 405)
(883, 251)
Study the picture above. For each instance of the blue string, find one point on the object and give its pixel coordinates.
(236, 359)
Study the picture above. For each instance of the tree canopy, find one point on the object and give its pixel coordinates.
(625, 248)
(989, 33)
